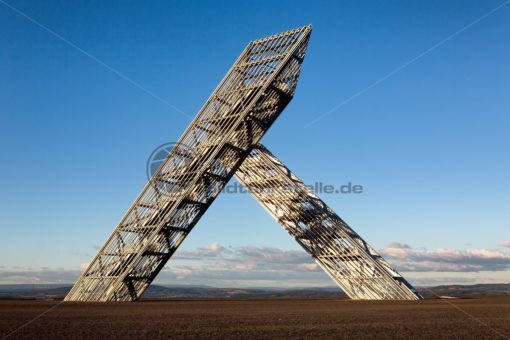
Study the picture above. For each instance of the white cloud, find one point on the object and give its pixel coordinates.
(211, 250)
(247, 266)
(38, 276)
(215, 247)
(404, 258)
(242, 267)
(309, 266)
(505, 244)
(397, 250)
(253, 266)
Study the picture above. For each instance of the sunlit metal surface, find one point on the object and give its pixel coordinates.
(244, 105)
(353, 264)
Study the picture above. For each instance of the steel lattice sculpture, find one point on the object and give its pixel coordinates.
(355, 266)
(222, 140)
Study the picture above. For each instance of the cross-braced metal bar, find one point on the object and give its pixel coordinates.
(353, 264)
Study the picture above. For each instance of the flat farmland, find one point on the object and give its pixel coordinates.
(476, 318)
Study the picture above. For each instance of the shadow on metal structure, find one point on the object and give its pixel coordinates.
(355, 266)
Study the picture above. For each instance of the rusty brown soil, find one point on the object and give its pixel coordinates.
(477, 318)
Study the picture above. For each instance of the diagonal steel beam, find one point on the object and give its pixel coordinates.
(353, 264)
(235, 117)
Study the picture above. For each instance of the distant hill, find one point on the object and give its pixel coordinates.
(175, 292)
(34, 291)
(164, 292)
(160, 292)
(466, 290)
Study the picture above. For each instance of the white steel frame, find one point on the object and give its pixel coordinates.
(352, 264)
(222, 141)
(237, 114)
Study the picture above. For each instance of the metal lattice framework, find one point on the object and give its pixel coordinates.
(237, 114)
(353, 264)
(222, 141)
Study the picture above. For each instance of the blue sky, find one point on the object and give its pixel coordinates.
(429, 143)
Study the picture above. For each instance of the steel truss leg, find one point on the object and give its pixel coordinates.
(241, 109)
(353, 264)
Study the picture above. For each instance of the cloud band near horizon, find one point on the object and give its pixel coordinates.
(252, 266)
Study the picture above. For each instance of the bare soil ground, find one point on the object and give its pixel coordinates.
(478, 318)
